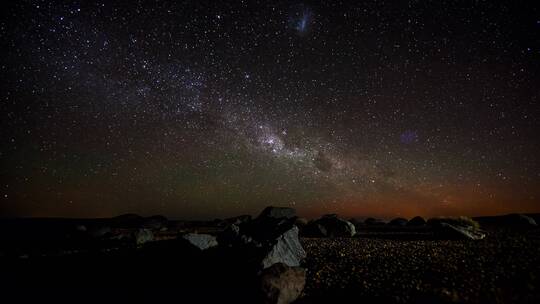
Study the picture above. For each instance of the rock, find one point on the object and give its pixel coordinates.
(355, 222)
(373, 221)
(230, 235)
(301, 222)
(233, 230)
(519, 220)
(282, 284)
(416, 221)
(100, 231)
(330, 226)
(237, 220)
(81, 228)
(273, 222)
(201, 241)
(285, 249)
(461, 221)
(129, 220)
(398, 221)
(156, 222)
(448, 231)
(277, 213)
(143, 236)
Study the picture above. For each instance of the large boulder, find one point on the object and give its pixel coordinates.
(281, 284)
(370, 221)
(398, 221)
(519, 220)
(301, 222)
(271, 223)
(233, 236)
(416, 221)
(201, 241)
(330, 226)
(272, 212)
(458, 232)
(285, 249)
(270, 238)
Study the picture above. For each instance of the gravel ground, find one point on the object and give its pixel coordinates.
(503, 268)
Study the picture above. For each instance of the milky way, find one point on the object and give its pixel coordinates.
(202, 109)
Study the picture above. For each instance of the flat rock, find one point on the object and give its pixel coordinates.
(201, 241)
(449, 231)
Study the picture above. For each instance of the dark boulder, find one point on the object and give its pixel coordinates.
(356, 222)
(129, 220)
(519, 220)
(232, 236)
(399, 221)
(301, 222)
(329, 226)
(416, 221)
(266, 240)
(100, 231)
(277, 213)
(237, 220)
(156, 222)
(374, 222)
(281, 284)
(271, 223)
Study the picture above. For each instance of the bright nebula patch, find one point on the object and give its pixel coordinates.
(301, 20)
(408, 137)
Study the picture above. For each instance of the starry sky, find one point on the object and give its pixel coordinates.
(207, 109)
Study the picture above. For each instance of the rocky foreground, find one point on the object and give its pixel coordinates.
(273, 258)
(503, 268)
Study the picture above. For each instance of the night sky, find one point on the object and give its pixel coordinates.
(206, 109)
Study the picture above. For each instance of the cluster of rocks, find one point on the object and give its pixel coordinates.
(266, 248)
(127, 228)
(440, 228)
(271, 242)
(416, 221)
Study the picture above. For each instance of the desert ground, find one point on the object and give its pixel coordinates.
(503, 268)
(379, 264)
